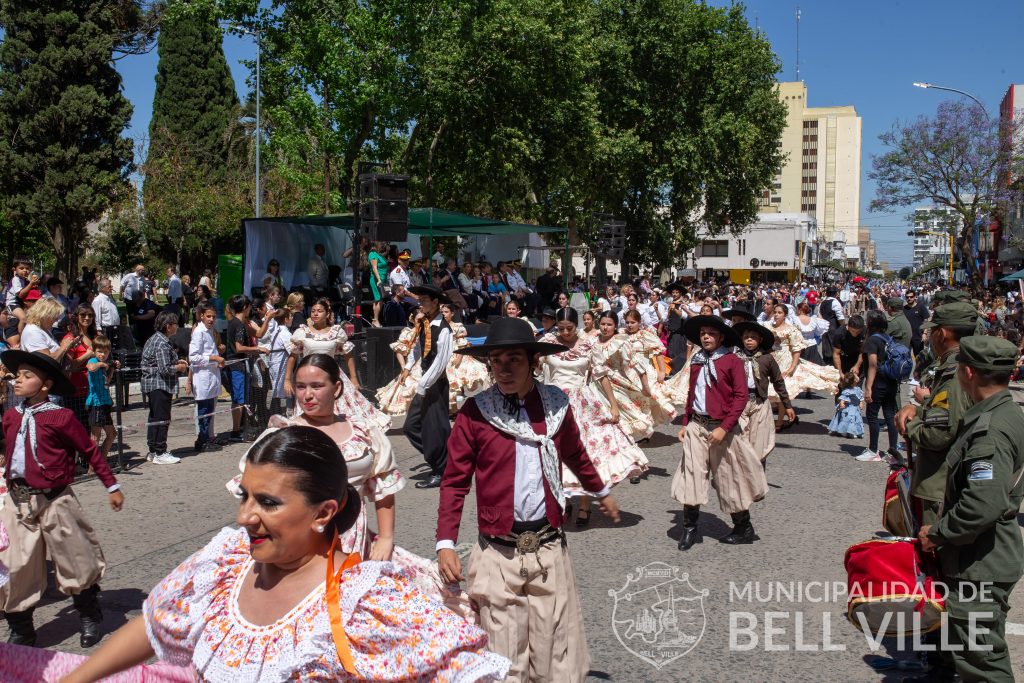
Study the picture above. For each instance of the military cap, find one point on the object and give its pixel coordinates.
(988, 354)
(895, 302)
(947, 296)
(955, 314)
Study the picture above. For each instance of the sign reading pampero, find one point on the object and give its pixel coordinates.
(758, 263)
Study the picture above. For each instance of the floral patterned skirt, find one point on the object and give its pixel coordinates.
(20, 664)
(615, 455)
(353, 405)
(394, 397)
(466, 379)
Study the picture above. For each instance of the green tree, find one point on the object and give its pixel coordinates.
(195, 97)
(955, 160)
(119, 245)
(61, 116)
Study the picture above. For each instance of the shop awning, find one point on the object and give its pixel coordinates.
(1019, 275)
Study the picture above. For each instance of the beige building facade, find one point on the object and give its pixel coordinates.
(821, 175)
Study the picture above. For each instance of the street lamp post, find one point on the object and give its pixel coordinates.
(259, 121)
(959, 92)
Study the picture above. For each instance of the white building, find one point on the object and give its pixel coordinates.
(929, 248)
(778, 247)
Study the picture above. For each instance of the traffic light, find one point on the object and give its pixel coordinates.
(384, 207)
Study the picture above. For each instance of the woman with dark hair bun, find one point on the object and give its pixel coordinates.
(372, 470)
(593, 403)
(280, 599)
(322, 335)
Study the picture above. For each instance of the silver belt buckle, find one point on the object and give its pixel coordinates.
(528, 542)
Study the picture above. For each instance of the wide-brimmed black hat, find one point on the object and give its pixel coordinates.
(767, 336)
(693, 324)
(738, 311)
(47, 366)
(511, 333)
(431, 291)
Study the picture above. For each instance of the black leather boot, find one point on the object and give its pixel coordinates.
(88, 605)
(23, 632)
(691, 513)
(742, 530)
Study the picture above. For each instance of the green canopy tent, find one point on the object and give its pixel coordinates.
(1019, 275)
(428, 222)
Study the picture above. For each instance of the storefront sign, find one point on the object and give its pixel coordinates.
(758, 263)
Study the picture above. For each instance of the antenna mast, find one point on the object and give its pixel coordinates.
(798, 44)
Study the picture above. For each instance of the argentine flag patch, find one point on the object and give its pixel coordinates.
(981, 470)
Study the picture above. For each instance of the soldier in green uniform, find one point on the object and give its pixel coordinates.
(923, 361)
(899, 327)
(977, 538)
(931, 427)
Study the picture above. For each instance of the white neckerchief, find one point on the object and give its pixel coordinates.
(492, 406)
(25, 441)
(707, 361)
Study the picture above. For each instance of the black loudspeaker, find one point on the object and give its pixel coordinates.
(381, 363)
(611, 239)
(384, 207)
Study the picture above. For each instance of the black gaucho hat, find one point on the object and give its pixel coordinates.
(511, 333)
(738, 311)
(431, 291)
(693, 324)
(48, 367)
(767, 336)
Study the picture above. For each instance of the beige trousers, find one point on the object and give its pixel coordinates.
(38, 525)
(732, 467)
(758, 425)
(536, 623)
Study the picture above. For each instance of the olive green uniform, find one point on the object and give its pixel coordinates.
(930, 433)
(980, 552)
(899, 329)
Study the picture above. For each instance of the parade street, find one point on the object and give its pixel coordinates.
(774, 610)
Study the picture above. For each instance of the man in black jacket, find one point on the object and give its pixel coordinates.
(917, 313)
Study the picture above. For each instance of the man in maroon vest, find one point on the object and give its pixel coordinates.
(514, 438)
(712, 443)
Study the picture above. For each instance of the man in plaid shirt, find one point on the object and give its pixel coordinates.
(160, 370)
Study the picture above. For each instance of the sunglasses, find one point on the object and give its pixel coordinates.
(86, 315)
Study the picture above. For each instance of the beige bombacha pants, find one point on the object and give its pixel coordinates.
(757, 423)
(38, 525)
(732, 467)
(536, 623)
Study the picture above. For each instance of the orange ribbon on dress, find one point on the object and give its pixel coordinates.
(333, 597)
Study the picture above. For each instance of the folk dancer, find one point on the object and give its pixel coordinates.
(41, 513)
(761, 368)
(713, 445)
(427, 426)
(514, 438)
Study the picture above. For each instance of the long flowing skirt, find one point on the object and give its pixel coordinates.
(20, 664)
(394, 397)
(614, 454)
(466, 379)
(354, 405)
(808, 376)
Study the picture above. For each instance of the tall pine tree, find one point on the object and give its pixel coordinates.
(194, 192)
(61, 117)
(195, 93)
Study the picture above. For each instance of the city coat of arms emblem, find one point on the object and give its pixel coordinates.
(658, 615)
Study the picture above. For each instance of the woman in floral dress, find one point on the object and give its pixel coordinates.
(321, 335)
(645, 342)
(800, 375)
(395, 396)
(612, 359)
(264, 602)
(372, 470)
(589, 329)
(466, 375)
(615, 455)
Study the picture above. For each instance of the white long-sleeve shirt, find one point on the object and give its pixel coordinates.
(445, 347)
(106, 311)
(205, 373)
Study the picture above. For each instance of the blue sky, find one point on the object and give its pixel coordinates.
(865, 53)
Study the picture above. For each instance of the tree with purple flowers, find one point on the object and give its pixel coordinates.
(959, 159)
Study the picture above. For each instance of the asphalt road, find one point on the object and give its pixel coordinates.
(739, 627)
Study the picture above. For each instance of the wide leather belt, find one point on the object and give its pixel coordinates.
(526, 542)
(21, 492)
(705, 421)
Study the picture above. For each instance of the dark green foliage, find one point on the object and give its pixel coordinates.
(195, 93)
(61, 117)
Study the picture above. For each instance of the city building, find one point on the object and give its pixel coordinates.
(932, 248)
(779, 247)
(1011, 118)
(821, 175)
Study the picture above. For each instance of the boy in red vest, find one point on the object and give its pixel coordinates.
(40, 511)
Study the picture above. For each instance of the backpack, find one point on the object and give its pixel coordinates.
(898, 364)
